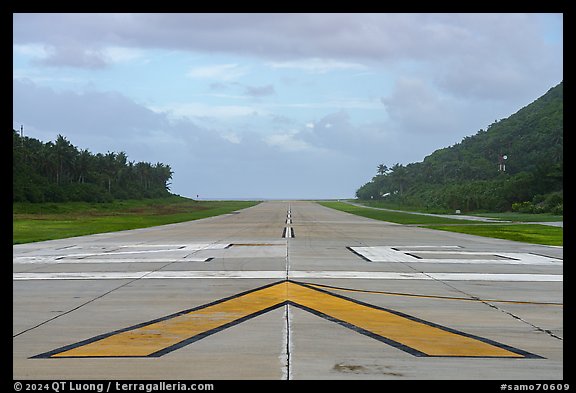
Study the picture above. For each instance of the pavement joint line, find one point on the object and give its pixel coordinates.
(470, 299)
(489, 304)
(132, 279)
(72, 309)
(546, 331)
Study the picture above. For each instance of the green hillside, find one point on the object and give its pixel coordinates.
(515, 164)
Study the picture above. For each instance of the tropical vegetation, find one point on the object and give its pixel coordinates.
(516, 164)
(59, 171)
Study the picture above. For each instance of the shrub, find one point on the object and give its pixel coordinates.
(558, 209)
(523, 207)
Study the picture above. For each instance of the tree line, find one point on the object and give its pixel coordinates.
(58, 171)
(515, 164)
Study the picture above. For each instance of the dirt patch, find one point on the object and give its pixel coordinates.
(367, 369)
(349, 368)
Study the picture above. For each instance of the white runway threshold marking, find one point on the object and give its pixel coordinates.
(392, 254)
(129, 253)
(69, 260)
(277, 274)
(185, 253)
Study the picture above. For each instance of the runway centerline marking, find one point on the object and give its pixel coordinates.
(405, 332)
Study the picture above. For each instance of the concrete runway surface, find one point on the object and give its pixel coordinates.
(287, 290)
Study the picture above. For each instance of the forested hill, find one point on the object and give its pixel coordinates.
(516, 163)
(58, 172)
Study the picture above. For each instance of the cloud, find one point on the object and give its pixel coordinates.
(220, 72)
(317, 65)
(417, 108)
(73, 56)
(104, 120)
(32, 50)
(337, 133)
(287, 141)
(357, 89)
(77, 57)
(211, 162)
(259, 91)
(290, 36)
(237, 90)
(488, 55)
(117, 54)
(85, 113)
(202, 110)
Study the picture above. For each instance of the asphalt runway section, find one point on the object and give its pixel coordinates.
(185, 291)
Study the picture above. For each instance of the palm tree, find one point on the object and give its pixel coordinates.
(82, 165)
(110, 168)
(399, 176)
(382, 169)
(64, 153)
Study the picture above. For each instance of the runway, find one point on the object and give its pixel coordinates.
(287, 290)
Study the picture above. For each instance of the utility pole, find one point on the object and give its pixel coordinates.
(502, 162)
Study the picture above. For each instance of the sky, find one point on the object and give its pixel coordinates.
(276, 106)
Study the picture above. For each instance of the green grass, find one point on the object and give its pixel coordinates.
(397, 217)
(528, 233)
(398, 206)
(47, 221)
(522, 217)
(506, 216)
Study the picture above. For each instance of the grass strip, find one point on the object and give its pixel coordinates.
(33, 222)
(527, 233)
(522, 217)
(392, 216)
(505, 216)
